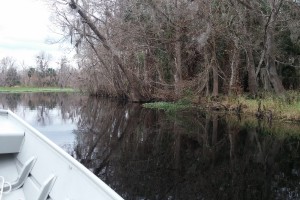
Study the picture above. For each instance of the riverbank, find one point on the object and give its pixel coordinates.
(34, 89)
(267, 106)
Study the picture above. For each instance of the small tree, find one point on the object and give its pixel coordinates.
(5, 64)
(12, 77)
(42, 62)
(51, 76)
(64, 72)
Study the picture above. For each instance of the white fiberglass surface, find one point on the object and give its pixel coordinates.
(8, 168)
(7, 126)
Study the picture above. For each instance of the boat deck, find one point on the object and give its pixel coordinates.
(10, 171)
(39, 170)
(11, 140)
(8, 167)
(11, 135)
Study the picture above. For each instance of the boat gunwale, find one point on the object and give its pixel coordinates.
(66, 156)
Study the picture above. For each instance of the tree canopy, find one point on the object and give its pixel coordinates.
(163, 49)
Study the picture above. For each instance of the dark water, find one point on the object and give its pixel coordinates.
(148, 154)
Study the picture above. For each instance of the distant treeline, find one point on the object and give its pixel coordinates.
(40, 75)
(165, 49)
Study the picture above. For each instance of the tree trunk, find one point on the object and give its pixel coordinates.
(178, 63)
(215, 70)
(134, 85)
(215, 80)
(252, 82)
(178, 58)
(265, 79)
(233, 75)
(270, 49)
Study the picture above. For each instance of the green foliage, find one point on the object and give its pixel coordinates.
(31, 72)
(140, 56)
(286, 108)
(165, 64)
(169, 106)
(222, 45)
(168, 33)
(128, 16)
(286, 44)
(51, 72)
(12, 77)
(34, 89)
(265, 8)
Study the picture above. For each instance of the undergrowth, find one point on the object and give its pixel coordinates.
(169, 106)
(286, 108)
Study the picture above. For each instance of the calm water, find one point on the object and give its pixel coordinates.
(146, 154)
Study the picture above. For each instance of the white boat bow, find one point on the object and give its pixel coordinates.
(34, 168)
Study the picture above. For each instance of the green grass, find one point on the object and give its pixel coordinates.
(287, 109)
(282, 108)
(168, 106)
(34, 89)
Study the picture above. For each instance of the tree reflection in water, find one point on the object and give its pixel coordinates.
(146, 154)
(54, 114)
(42, 104)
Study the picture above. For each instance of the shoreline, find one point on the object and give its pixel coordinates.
(267, 108)
(11, 90)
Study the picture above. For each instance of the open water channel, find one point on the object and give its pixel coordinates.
(151, 154)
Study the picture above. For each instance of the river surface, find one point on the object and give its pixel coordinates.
(150, 154)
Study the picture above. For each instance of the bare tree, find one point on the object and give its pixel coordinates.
(6, 63)
(155, 49)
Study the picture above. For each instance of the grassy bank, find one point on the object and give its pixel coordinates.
(169, 106)
(34, 89)
(267, 106)
(286, 109)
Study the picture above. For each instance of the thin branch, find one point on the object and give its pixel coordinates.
(160, 12)
(260, 62)
(287, 64)
(245, 4)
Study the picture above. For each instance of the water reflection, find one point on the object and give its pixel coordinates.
(148, 154)
(54, 114)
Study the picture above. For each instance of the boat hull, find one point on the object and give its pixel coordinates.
(53, 168)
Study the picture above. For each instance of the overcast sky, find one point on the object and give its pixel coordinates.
(25, 30)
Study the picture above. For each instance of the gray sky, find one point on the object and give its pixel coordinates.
(24, 30)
